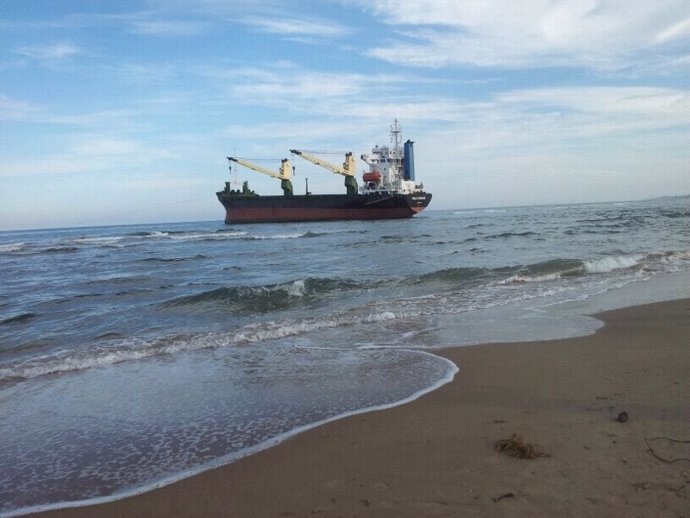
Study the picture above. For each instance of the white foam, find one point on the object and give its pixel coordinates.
(11, 247)
(280, 236)
(609, 264)
(523, 279)
(107, 240)
(214, 236)
(500, 293)
(297, 289)
(234, 456)
(139, 349)
(380, 317)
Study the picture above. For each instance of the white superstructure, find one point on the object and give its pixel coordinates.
(391, 169)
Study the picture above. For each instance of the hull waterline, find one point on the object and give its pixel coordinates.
(265, 209)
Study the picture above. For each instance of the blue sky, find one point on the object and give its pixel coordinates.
(124, 112)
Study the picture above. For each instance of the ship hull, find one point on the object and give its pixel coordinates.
(265, 209)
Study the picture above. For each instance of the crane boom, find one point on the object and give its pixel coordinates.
(348, 168)
(284, 173)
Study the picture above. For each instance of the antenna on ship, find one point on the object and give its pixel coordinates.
(396, 138)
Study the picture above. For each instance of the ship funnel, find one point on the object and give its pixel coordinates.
(408, 161)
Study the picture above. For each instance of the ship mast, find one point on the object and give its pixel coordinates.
(396, 136)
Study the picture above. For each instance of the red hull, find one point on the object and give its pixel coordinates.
(263, 214)
(259, 209)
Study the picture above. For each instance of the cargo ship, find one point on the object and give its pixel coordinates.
(388, 191)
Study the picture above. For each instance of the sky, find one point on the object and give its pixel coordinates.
(124, 112)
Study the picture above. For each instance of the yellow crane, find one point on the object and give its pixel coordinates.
(284, 173)
(347, 170)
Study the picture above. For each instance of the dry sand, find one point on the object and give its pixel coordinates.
(436, 457)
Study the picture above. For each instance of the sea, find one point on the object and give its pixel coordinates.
(134, 356)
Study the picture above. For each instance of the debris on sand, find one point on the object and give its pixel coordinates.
(505, 495)
(515, 446)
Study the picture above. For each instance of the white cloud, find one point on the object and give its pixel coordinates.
(169, 181)
(167, 27)
(598, 34)
(87, 154)
(546, 117)
(557, 145)
(345, 96)
(287, 86)
(561, 118)
(106, 146)
(50, 53)
(46, 167)
(676, 30)
(667, 103)
(290, 26)
(13, 109)
(281, 88)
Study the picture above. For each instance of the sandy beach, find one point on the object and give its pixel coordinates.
(436, 456)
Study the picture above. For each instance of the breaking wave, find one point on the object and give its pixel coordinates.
(609, 264)
(120, 350)
(11, 247)
(547, 270)
(445, 291)
(563, 268)
(264, 299)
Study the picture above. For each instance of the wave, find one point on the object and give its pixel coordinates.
(118, 279)
(510, 234)
(60, 249)
(186, 235)
(100, 240)
(564, 268)
(233, 235)
(11, 247)
(18, 318)
(173, 259)
(393, 239)
(609, 264)
(478, 225)
(453, 276)
(119, 350)
(75, 244)
(154, 233)
(25, 249)
(550, 270)
(263, 299)
(445, 291)
(291, 235)
(680, 213)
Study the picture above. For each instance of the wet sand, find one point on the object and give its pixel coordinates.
(435, 456)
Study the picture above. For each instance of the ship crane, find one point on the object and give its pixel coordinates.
(284, 173)
(347, 170)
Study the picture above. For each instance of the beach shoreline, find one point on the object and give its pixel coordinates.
(435, 456)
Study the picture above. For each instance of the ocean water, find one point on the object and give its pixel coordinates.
(132, 356)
